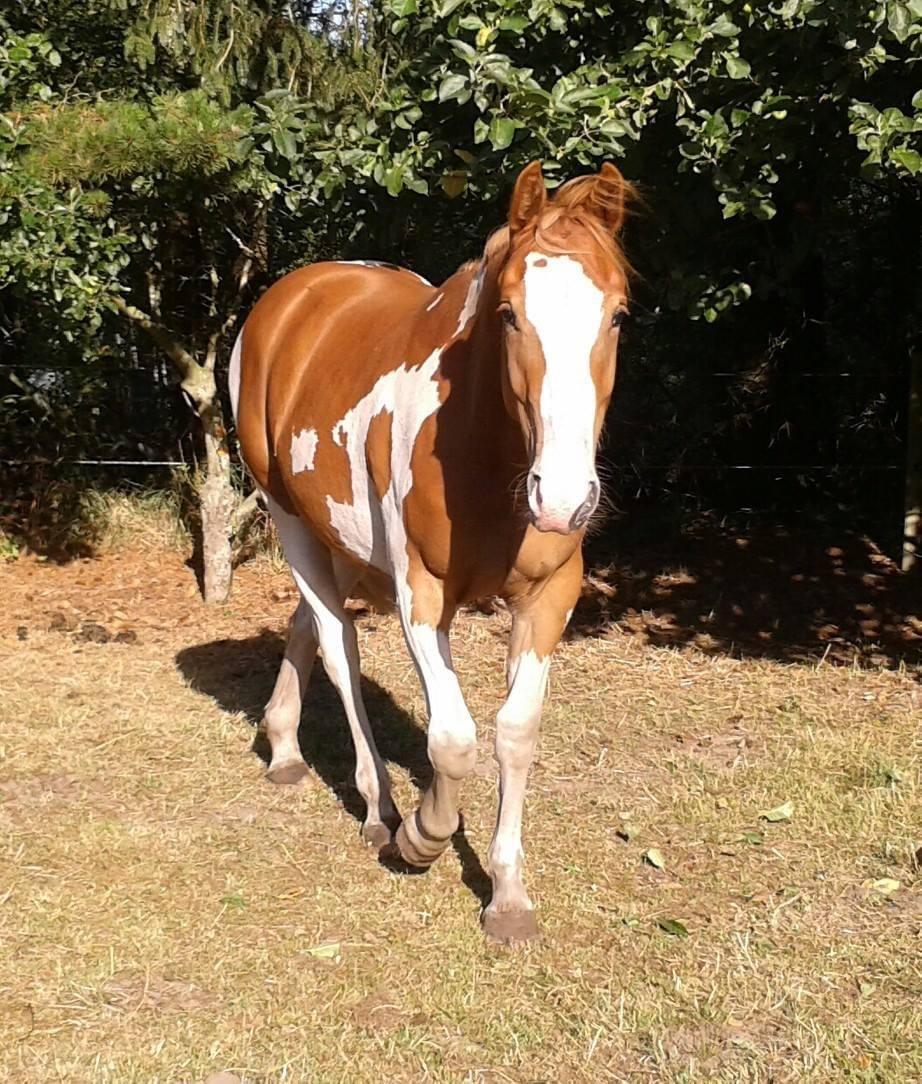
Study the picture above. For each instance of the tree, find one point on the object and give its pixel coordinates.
(145, 192)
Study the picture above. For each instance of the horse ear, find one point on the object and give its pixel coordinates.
(607, 197)
(528, 197)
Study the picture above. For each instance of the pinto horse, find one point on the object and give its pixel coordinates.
(437, 445)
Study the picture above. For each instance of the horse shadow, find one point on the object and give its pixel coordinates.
(239, 676)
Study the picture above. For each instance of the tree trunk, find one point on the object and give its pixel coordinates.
(217, 505)
(217, 502)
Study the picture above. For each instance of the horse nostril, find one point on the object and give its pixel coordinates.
(585, 510)
(534, 486)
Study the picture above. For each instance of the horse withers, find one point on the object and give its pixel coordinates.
(438, 444)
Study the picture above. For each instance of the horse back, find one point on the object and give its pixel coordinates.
(317, 343)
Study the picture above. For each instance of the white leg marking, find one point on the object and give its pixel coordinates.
(303, 450)
(517, 725)
(283, 712)
(452, 734)
(315, 575)
(565, 308)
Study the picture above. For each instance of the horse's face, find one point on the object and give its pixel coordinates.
(563, 298)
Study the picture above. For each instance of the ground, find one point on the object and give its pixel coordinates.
(165, 913)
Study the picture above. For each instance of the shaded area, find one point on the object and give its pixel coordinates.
(802, 593)
(240, 674)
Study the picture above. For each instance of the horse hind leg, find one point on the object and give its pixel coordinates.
(324, 583)
(283, 712)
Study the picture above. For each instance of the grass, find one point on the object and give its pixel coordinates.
(63, 519)
(165, 913)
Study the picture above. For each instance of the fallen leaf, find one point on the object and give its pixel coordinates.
(756, 839)
(886, 886)
(782, 812)
(328, 950)
(654, 858)
(672, 926)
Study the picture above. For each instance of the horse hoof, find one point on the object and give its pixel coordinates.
(288, 772)
(377, 835)
(510, 927)
(413, 847)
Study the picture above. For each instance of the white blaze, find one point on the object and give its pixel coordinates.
(565, 308)
(303, 450)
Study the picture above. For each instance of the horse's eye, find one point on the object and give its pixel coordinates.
(509, 317)
(618, 317)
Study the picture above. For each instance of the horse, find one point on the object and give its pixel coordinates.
(437, 446)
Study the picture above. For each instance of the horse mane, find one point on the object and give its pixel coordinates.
(573, 208)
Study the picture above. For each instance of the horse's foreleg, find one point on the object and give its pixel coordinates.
(538, 623)
(452, 738)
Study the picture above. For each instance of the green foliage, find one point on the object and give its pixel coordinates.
(732, 107)
(96, 192)
(177, 135)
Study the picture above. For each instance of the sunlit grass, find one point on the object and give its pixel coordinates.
(165, 912)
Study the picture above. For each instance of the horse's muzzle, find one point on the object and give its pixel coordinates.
(559, 515)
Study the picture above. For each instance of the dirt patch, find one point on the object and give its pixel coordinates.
(35, 789)
(132, 992)
(378, 1012)
(725, 750)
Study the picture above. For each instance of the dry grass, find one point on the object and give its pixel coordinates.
(166, 913)
(63, 519)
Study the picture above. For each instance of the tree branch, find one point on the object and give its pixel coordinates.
(197, 381)
(245, 511)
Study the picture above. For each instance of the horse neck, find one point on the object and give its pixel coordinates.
(474, 363)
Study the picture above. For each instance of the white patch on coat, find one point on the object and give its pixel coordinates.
(371, 529)
(303, 450)
(469, 308)
(565, 308)
(388, 266)
(432, 304)
(233, 376)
